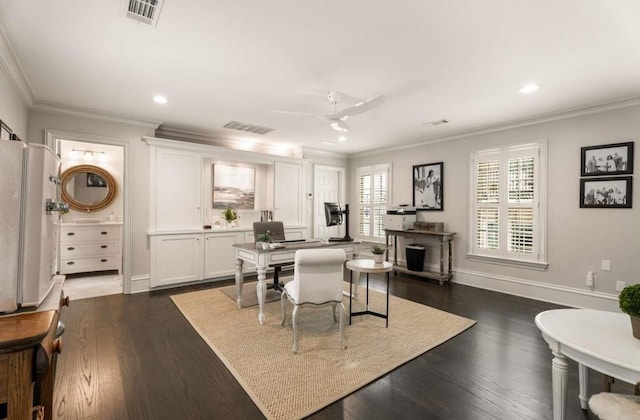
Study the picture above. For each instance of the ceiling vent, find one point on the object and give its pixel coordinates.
(145, 11)
(249, 128)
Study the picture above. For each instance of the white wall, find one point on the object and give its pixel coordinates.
(578, 239)
(13, 111)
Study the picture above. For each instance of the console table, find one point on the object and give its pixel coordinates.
(445, 239)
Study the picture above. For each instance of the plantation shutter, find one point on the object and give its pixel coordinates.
(364, 217)
(487, 188)
(373, 193)
(520, 213)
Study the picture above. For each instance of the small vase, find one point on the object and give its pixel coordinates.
(264, 245)
(635, 326)
(378, 258)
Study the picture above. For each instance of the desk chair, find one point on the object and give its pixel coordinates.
(317, 280)
(612, 406)
(276, 231)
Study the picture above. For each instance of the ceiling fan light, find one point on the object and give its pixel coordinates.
(342, 138)
(340, 126)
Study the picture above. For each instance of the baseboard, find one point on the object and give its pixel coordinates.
(139, 284)
(545, 292)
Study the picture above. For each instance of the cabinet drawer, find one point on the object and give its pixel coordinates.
(89, 235)
(70, 251)
(79, 265)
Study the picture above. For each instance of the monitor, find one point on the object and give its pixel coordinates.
(275, 229)
(333, 214)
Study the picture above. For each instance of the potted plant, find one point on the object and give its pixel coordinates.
(629, 301)
(378, 253)
(263, 239)
(230, 215)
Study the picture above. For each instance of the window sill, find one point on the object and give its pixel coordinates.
(531, 265)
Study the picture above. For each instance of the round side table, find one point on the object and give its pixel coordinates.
(368, 266)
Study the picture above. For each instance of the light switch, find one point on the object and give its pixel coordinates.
(605, 265)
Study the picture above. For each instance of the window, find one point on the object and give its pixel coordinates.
(373, 193)
(508, 210)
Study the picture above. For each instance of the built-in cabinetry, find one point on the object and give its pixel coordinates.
(181, 250)
(86, 247)
(187, 257)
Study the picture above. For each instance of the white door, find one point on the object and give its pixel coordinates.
(288, 193)
(328, 187)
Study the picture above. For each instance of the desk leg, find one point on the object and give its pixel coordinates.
(261, 290)
(559, 369)
(239, 281)
(583, 375)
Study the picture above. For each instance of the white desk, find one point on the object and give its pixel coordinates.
(262, 258)
(595, 339)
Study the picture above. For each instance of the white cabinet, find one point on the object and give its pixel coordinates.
(90, 247)
(175, 259)
(288, 182)
(176, 189)
(218, 253)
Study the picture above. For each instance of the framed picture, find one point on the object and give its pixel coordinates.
(610, 192)
(608, 159)
(234, 186)
(5, 131)
(428, 190)
(95, 180)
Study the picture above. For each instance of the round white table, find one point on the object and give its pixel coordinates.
(369, 267)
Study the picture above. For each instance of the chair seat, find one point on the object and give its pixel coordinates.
(612, 406)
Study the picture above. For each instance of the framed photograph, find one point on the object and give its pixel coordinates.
(428, 190)
(5, 131)
(95, 180)
(234, 186)
(608, 159)
(610, 192)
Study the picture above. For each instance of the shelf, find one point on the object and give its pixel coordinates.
(428, 274)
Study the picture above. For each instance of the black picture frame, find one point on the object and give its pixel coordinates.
(95, 180)
(5, 131)
(607, 159)
(428, 186)
(606, 192)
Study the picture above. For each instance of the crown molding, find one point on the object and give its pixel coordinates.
(56, 108)
(229, 143)
(12, 69)
(510, 125)
(309, 152)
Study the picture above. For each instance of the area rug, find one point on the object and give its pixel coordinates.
(249, 295)
(260, 355)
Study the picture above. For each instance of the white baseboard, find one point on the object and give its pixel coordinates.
(139, 284)
(545, 292)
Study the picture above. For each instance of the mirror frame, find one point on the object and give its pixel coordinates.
(112, 188)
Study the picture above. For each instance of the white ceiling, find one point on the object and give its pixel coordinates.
(218, 61)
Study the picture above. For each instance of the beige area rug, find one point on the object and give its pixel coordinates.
(260, 355)
(249, 295)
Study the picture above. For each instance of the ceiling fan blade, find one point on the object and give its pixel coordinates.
(358, 108)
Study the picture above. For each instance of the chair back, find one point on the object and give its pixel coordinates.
(318, 275)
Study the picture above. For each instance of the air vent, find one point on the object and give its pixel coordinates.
(145, 11)
(249, 128)
(438, 122)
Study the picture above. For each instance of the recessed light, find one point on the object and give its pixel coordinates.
(342, 138)
(529, 88)
(159, 99)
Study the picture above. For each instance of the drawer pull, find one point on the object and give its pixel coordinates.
(64, 301)
(103, 233)
(103, 260)
(104, 246)
(70, 233)
(71, 248)
(70, 263)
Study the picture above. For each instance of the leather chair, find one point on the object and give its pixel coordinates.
(317, 281)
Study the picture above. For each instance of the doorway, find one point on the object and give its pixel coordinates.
(328, 186)
(82, 250)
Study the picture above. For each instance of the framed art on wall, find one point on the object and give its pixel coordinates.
(610, 192)
(234, 186)
(607, 159)
(428, 186)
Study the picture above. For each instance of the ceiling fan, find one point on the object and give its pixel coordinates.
(338, 118)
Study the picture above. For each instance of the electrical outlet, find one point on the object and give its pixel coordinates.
(590, 278)
(620, 285)
(605, 265)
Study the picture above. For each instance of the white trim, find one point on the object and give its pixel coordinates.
(560, 295)
(12, 68)
(509, 125)
(52, 136)
(139, 284)
(309, 152)
(533, 265)
(61, 109)
(342, 185)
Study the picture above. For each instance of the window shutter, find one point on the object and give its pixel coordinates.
(488, 182)
(520, 230)
(487, 232)
(373, 194)
(521, 179)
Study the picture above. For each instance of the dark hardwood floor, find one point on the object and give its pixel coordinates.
(136, 357)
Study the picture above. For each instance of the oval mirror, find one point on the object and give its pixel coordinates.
(88, 188)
